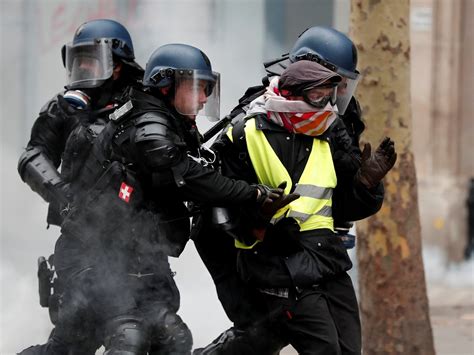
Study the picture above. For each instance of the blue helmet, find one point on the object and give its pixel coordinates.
(90, 58)
(335, 51)
(163, 63)
(181, 66)
(90, 31)
(329, 47)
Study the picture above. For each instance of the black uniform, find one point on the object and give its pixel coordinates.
(43, 155)
(45, 152)
(128, 215)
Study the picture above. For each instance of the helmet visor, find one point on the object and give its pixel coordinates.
(88, 65)
(345, 90)
(197, 93)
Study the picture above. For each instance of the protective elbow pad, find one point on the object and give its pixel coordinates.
(160, 154)
(39, 173)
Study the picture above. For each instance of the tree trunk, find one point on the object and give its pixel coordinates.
(393, 300)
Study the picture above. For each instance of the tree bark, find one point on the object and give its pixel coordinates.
(393, 300)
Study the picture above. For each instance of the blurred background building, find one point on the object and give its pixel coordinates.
(238, 35)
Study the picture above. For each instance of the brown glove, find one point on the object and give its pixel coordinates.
(270, 206)
(375, 166)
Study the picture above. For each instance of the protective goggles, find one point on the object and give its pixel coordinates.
(319, 96)
(346, 87)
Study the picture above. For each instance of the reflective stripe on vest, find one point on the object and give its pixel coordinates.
(313, 209)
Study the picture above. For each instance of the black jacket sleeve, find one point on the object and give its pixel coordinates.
(50, 131)
(353, 201)
(205, 185)
(164, 155)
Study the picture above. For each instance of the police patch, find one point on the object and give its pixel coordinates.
(125, 192)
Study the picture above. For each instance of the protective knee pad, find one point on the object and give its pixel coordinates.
(172, 336)
(126, 336)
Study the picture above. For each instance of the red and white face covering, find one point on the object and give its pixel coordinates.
(294, 116)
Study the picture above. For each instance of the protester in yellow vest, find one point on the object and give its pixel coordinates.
(297, 262)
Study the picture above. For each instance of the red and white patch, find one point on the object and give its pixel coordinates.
(125, 192)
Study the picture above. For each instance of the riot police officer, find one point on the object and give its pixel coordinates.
(100, 68)
(335, 51)
(128, 212)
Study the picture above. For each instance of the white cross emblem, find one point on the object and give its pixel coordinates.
(125, 192)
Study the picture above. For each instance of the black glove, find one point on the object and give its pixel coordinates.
(61, 193)
(276, 200)
(375, 166)
(84, 116)
(266, 194)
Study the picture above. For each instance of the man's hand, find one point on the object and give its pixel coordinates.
(275, 200)
(270, 201)
(375, 166)
(61, 193)
(68, 110)
(266, 194)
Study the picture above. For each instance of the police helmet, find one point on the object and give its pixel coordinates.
(173, 65)
(329, 47)
(335, 51)
(89, 58)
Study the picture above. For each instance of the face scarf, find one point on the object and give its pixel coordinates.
(295, 116)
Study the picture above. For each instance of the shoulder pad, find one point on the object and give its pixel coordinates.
(152, 126)
(158, 141)
(154, 117)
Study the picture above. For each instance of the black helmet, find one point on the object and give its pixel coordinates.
(329, 47)
(89, 58)
(174, 64)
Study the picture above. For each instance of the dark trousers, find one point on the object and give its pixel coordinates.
(320, 320)
(242, 304)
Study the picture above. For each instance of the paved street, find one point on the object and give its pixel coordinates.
(452, 319)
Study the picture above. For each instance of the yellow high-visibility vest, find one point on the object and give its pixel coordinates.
(313, 210)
